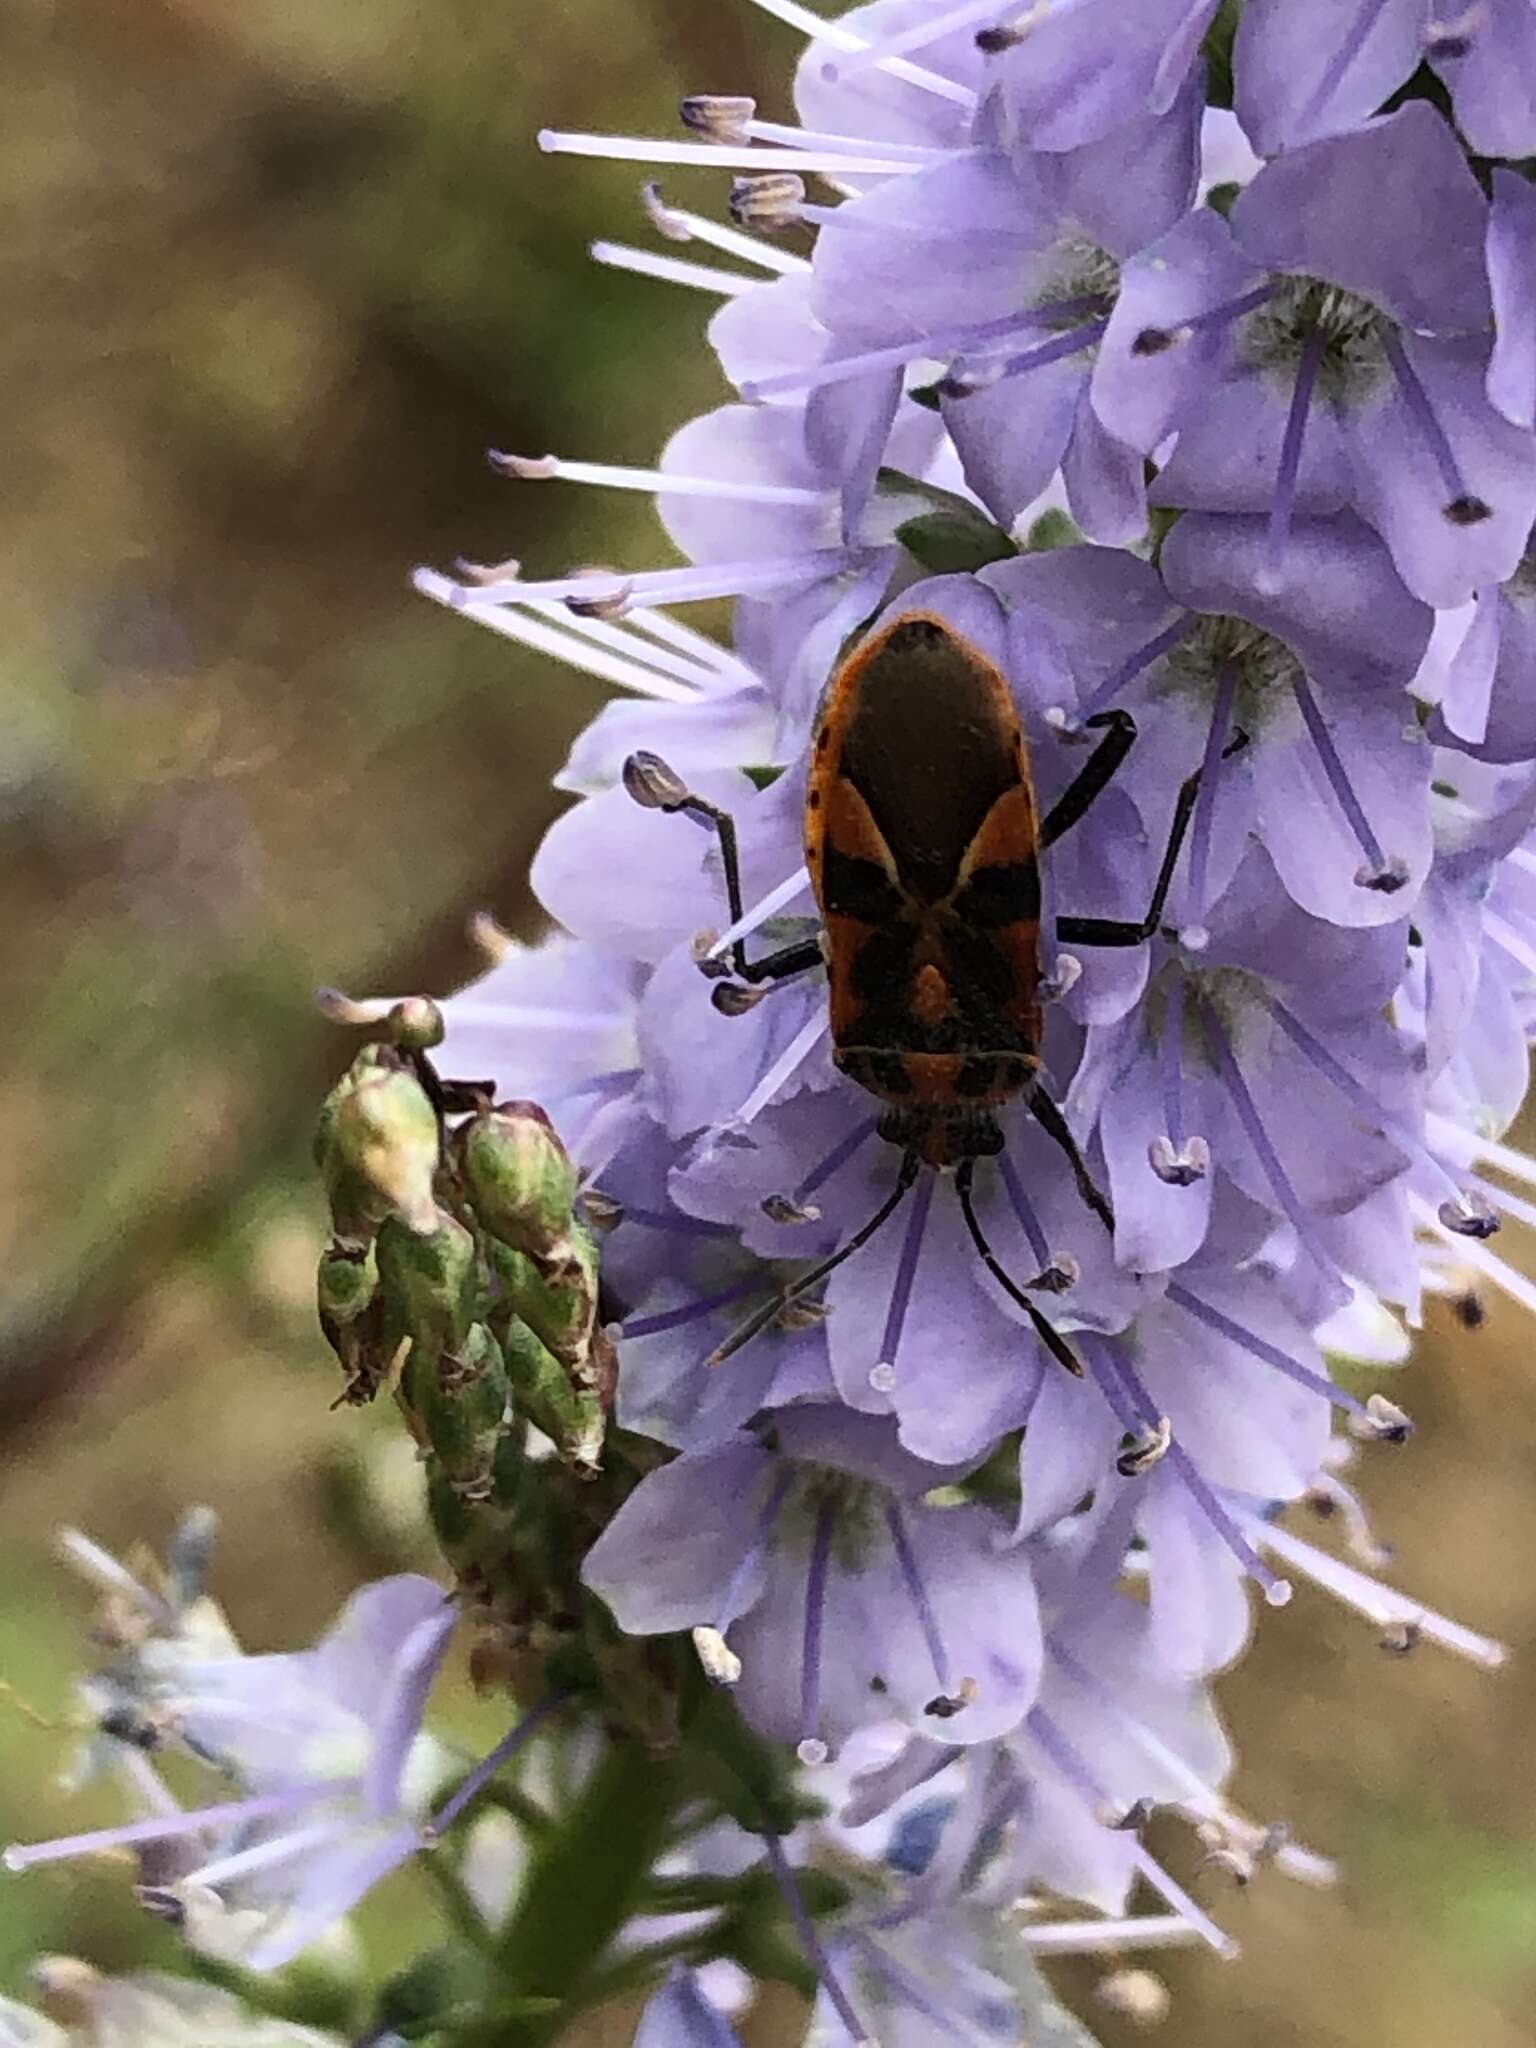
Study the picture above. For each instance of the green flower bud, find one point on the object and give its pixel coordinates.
(430, 1284)
(416, 1023)
(521, 1181)
(457, 1403)
(345, 1283)
(570, 1415)
(377, 1146)
(560, 1310)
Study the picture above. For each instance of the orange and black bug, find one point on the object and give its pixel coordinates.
(923, 840)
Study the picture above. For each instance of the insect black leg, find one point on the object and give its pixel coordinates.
(1054, 1125)
(1094, 775)
(658, 787)
(1044, 1329)
(1119, 931)
(762, 1317)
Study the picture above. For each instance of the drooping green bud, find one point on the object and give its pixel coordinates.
(456, 1402)
(377, 1146)
(561, 1310)
(521, 1181)
(346, 1282)
(430, 1284)
(544, 1390)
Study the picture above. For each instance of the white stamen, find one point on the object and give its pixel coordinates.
(614, 476)
(1089, 1937)
(624, 641)
(280, 1849)
(812, 1751)
(619, 593)
(995, 335)
(916, 38)
(699, 277)
(1472, 1252)
(545, 639)
(851, 145)
(104, 1571)
(1510, 941)
(523, 1016)
(721, 1664)
(809, 1035)
(1382, 1605)
(688, 640)
(795, 16)
(1468, 1147)
(649, 149)
(792, 886)
(679, 225)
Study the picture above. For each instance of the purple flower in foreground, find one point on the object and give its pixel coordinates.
(334, 1771)
(818, 1579)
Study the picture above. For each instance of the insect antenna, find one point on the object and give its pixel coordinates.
(775, 1306)
(1045, 1330)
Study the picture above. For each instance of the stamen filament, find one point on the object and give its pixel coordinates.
(1463, 507)
(279, 1849)
(675, 1318)
(1060, 1752)
(166, 1827)
(1333, 768)
(1267, 1353)
(483, 1772)
(563, 645)
(917, 1592)
(784, 892)
(959, 383)
(1024, 1209)
(1343, 58)
(688, 640)
(1467, 1147)
(698, 277)
(654, 482)
(918, 37)
(859, 2035)
(109, 1575)
(681, 1225)
(915, 153)
(837, 1158)
(1173, 1066)
(1380, 1604)
(751, 1557)
(679, 225)
(901, 1289)
(1129, 670)
(1111, 1937)
(1291, 1205)
(627, 643)
(812, 1749)
(1359, 1098)
(691, 585)
(646, 149)
(1510, 941)
(840, 38)
(948, 341)
(1283, 504)
(1105, 1354)
(784, 1067)
(1205, 801)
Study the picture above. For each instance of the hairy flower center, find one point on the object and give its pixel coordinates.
(858, 1520)
(1274, 338)
(1264, 670)
(1079, 269)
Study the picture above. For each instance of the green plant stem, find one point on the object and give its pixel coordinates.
(585, 1881)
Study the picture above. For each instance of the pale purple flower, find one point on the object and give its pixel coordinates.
(1309, 68)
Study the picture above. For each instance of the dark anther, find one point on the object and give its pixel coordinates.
(993, 41)
(653, 783)
(1467, 510)
(734, 998)
(782, 1209)
(1470, 1310)
(1468, 1215)
(1152, 341)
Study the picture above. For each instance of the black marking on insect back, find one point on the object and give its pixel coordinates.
(925, 750)
(1006, 893)
(977, 1076)
(883, 1073)
(982, 976)
(882, 967)
(857, 888)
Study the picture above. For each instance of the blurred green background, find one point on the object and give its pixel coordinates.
(275, 276)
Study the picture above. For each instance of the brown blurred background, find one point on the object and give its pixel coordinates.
(275, 276)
